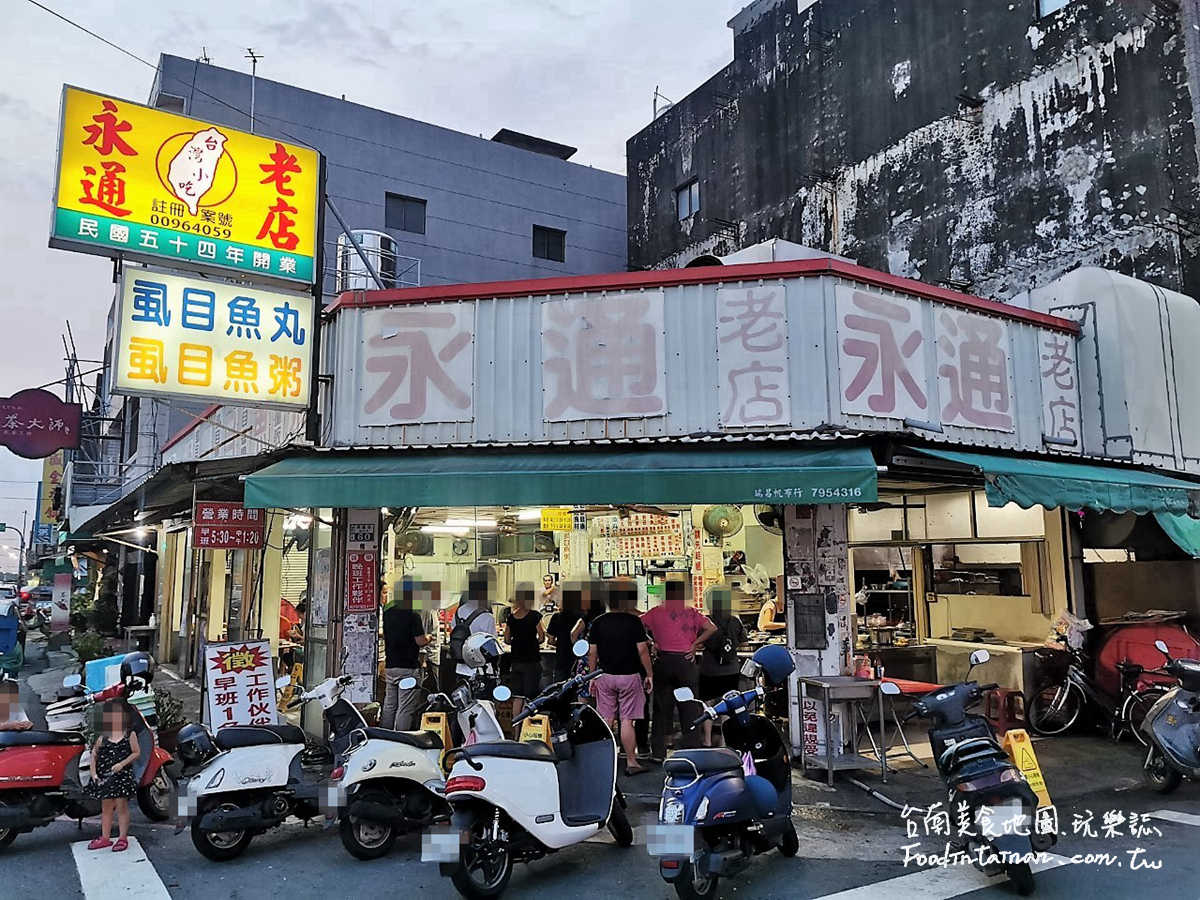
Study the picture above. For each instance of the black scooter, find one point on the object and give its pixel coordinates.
(1173, 727)
(979, 773)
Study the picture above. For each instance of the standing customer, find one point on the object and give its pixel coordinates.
(618, 646)
(561, 631)
(678, 631)
(403, 637)
(720, 667)
(115, 750)
(524, 633)
(551, 595)
(474, 611)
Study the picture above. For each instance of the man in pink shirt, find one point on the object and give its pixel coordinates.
(679, 632)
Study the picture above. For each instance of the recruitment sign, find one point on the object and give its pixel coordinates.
(208, 339)
(143, 183)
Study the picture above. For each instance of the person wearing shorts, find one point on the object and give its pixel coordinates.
(524, 632)
(619, 647)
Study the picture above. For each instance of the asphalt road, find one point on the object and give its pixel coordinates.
(840, 852)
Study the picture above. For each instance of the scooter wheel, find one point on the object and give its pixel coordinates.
(690, 886)
(1021, 877)
(484, 866)
(1159, 774)
(154, 799)
(366, 840)
(220, 846)
(789, 843)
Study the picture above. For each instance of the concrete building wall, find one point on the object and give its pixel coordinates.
(971, 143)
(483, 197)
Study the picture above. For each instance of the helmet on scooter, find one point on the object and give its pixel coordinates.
(775, 662)
(196, 745)
(139, 665)
(480, 650)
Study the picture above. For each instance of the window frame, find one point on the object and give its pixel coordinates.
(1039, 14)
(689, 190)
(407, 203)
(549, 231)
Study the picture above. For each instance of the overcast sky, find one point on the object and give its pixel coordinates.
(582, 72)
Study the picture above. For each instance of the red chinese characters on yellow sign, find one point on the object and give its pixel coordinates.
(239, 659)
(280, 168)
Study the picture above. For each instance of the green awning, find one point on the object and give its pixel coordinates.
(1183, 530)
(549, 476)
(1028, 482)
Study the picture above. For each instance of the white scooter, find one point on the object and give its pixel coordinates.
(246, 779)
(516, 801)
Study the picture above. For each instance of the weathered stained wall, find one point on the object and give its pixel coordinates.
(957, 142)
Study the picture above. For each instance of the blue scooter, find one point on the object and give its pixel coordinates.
(714, 815)
(1173, 727)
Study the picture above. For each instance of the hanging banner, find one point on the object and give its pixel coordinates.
(227, 526)
(53, 465)
(35, 423)
(142, 183)
(239, 684)
(220, 342)
(361, 580)
(60, 602)
(557, 518)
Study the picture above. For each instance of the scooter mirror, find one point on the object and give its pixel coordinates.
(580, 648)
(1162, 648)
(892, 690)
(282, 681)
(979, 657)
(684, 694)
(407, 684)
(500, 693)
(75, 681)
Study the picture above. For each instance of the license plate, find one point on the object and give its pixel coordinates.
(670, 840)
(1006, 818)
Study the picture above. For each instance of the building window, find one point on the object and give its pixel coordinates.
(1045, 7)
(687, 199)
(549, 243)
(404, 213)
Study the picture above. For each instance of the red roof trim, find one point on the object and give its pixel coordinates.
(616, 281)
(189, 428)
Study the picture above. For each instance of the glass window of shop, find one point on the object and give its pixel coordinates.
(318, 633)
(946, 566)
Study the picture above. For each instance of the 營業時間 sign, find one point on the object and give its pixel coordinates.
(143, 183)
(218, 525)
(207, 339)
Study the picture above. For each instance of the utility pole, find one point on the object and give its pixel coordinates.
(254, 58)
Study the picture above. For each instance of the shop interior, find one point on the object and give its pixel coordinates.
(939, 574)
(736, 547)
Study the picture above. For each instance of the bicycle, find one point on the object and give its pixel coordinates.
(1065, 690)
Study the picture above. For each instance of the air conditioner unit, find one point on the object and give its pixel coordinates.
(380, 249)
(525, 543)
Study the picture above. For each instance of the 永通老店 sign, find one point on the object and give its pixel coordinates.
(148, 184)
(191, 336)
(240, 684)
(35, 423)
(227, 526)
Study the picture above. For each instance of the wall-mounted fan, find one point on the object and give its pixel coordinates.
(770, 518)
(722, 521)
(460, 547)
(414, 543)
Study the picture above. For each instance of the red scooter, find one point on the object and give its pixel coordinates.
(44, 774)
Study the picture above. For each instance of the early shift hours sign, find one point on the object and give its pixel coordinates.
(227, 526)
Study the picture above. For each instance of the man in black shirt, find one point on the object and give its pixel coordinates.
(620, 648)
(403, 637)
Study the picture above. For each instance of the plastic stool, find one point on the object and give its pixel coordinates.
(1004, 708)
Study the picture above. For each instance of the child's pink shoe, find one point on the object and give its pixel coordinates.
(99, 843)
(120, 845)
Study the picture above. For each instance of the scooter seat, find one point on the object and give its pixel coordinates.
(702, 762)
(423, 740)
(255, 735)
(513, 750)
(38, 738)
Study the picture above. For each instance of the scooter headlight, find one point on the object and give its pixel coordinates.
(672, 812)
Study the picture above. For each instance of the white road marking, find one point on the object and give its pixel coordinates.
(934, 884)
(104, 875)
(1171, 815)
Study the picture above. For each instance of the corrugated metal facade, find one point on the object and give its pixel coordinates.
(507, 383)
